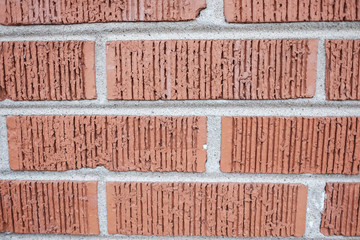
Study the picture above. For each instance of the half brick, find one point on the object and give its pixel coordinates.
(25, 12)
(211, 69)
(59, 207)
(343, 69)
(35, 71)
(326, 145)
(59, 143)
(341, 213)
(255, 11)
(206, 209)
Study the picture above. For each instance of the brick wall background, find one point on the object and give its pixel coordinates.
(302, 167)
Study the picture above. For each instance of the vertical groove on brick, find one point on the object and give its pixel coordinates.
(341, 212)
(59, 143)
(211, 69)
(37, 71)
(48, 207)
(290, 145)
(206, 209)
(24, 12)
(342, 72)
(256, 11)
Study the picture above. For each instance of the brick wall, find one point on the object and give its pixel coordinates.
(195, 119)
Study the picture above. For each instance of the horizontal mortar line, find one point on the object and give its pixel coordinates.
(104, 175)
(205, 33)
(124, 237)
(188, 110)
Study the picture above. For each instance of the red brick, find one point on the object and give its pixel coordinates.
(24, 12)
(325, 145)
(341, 212)
(59, 143)
(60, 207)
(211, 69)
(255, 11)
(36, 71)
(206, 209)
(342, 69)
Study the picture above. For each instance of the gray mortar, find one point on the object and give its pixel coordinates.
(210, 25)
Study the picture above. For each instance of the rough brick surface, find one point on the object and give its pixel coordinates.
(47, 70)
(211, 69)
(48, 207)
(329, 145)
(341, 214)
(206, 209)
(256, 11)
(59, 143)
(343, 69)
(24, 12)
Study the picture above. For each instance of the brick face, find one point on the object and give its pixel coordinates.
(342, 69)
(327, 145)
(206, 209)
(35, 71)
(60, 207)
(211, 69)
(341, 214)
(24, 12)
(255, 11)
(59, 143)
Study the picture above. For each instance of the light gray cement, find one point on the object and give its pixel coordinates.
(210, 25)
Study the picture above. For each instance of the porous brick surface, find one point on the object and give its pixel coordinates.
(341, 212)
(206, 209)
(35, 71)
(25, 12)
(211, 69)
(317, 145)
(61, 207)
(257, 11)
(343, 69)
(59, 143)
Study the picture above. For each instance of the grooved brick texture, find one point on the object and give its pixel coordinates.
(60, 207)
(256, 11)
(24, 12)
(211, 69)
(47, 70)
(59, 143)
(206, 209)
(342, 69)
(341, 211)
(326, 145)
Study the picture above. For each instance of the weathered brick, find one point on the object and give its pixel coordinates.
(341, 212)
(36, 71)
(317, 145)
(59, 143)
(342, 69)
(206, 209)
(211, 69)
(256, 11)
(24, 12)
(59, 207)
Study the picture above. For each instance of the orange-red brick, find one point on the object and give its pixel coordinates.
(256, 11)
(206, 209)
(59, 143)
(343, 69)
(24, 12)
(211, 69)
(35, 71)
(341, 210)
(59, 207)
(317, 145)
